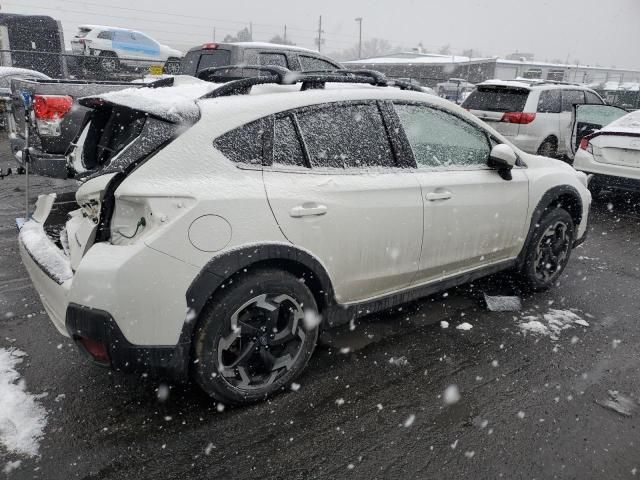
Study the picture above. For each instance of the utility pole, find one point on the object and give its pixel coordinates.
(359, 20)
(214, 34)
(251, 31)
(285, 35)
(320, 34)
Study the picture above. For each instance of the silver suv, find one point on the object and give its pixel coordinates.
(536, 116)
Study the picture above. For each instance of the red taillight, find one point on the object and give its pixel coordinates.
(209, 46)
(518, 117)
(584, 143)
(97, 350)
(51, 107)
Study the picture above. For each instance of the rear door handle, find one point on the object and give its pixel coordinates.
(307, 210)
(432, 196)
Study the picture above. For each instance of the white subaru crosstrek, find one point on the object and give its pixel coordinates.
(534, 115)
(223, 225)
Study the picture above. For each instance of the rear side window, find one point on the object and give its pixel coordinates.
(497, 99)
(244, 144)
(593, 99)
(106, 35)
(346, 136)
(278, 59)
(571, 98)
(439, 139)
(198, 60)
(287, 149)
(310, 64)
(550, 101)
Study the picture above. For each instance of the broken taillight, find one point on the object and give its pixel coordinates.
(49, 110)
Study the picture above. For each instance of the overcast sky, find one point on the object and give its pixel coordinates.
(592, 31)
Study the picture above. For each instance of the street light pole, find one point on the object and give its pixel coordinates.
(359, 20)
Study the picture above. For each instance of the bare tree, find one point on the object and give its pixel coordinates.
(243, 35)
(280, 40)
(374, 47)
(445, 50)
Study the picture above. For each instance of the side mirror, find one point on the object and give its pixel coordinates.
(503, 159)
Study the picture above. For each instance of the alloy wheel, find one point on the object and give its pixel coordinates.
(265, 339)
(552, 251)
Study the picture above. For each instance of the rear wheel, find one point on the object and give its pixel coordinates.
(252, 340)
(549, 148)
(548, 251)
(108, 62)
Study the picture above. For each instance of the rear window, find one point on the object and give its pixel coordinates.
(277, 59)
(198, 60)
(82, 32)
(311, 64)
(497, 99)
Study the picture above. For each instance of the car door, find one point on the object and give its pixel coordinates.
(472, 217)
(336, 190)
(589, 118)
(569, 99)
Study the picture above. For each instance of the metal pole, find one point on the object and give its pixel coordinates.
(320, 34)
(285, 34)
(251, 30)
(214, 34)
(359, 20)
(26, 160)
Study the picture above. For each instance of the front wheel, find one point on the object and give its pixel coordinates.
(548, 251)
(252, 340)
(549, 148)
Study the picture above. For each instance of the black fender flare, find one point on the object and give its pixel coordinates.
(550, 198)
(222, 267)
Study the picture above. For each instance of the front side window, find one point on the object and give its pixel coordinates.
(571, 98)
(592, 98)
(277, 59)
(244, 144)
(346, 136)
(550, 101)
(312, 64)
(439, 139)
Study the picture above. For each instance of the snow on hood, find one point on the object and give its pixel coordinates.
(628, 124)
(175, 103)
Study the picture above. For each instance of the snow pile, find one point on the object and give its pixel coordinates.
(552, 323)
(44, 252)
(464, 326)
(628, 124)
(176, 103)
(22, 418)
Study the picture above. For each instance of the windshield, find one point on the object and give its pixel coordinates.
(198, 60)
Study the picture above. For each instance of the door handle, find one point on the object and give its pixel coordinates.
(432, 196)
(308, 210)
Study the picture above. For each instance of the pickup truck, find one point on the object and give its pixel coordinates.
(52, 121)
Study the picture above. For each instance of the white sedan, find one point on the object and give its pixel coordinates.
(611, 154)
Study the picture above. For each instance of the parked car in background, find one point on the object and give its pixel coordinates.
(111, 48)
(54, 121)
(416, 83)
(6, 75)
(223, 226)
(211, 55)
(534, 115)
(455, 89)
(612, 153)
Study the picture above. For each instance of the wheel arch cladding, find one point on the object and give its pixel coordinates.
(562, 196)
(222, 268)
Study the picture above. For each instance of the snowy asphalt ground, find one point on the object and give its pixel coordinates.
(530, 406)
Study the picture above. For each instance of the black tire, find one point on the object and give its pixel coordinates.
(108, 62)
(240, 366)
(549, 250)
(549, 148)
(172, 66)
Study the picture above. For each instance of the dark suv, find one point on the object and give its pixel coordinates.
(254, 53)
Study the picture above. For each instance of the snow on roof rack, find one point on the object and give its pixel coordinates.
(242, 84)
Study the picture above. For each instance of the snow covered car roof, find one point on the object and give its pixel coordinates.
(628, 124)
(175, 103)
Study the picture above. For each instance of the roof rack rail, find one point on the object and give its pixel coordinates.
(309, 80)
(212, 74)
